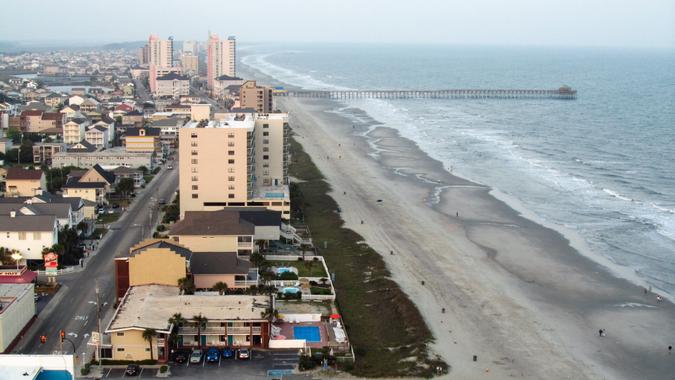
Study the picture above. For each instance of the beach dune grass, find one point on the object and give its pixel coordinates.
(387, 331)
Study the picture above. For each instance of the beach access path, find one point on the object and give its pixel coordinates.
(515, 294)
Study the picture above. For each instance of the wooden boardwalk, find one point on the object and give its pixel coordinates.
(565, 93)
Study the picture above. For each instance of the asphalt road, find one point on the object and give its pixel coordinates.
(73, 307)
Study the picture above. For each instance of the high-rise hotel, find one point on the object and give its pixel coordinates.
(221, 58)
(239, 159)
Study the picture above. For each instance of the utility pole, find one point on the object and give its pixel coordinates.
(98, 322)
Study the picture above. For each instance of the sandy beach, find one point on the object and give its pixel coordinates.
(515, 294)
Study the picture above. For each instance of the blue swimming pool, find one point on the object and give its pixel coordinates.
(54, 375)
(309, 333)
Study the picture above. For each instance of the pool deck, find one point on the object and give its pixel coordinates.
(287, 331)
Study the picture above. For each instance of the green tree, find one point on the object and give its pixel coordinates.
(220, 287)
(143, 169)
(186, 285)
(259, 261)
(148, 335)
(176, 321)
(125, 187)
(14, 135)
(200, 321)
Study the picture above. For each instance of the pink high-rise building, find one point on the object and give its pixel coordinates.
(160, 58)
(221, 58)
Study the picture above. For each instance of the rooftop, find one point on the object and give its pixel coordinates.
(221, 222)
(15, 173)
(218, 263)
(11, 292)
(27, 223)
(230, 120)
(151, 306)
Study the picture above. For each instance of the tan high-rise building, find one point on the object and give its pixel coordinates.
(221, 58)
(256, 97)
(238, 160)
(190, 63)
(190, 47)
(160, 58)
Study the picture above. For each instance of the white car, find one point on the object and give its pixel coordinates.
(196, 357)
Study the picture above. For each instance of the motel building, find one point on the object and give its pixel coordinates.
(231, 321)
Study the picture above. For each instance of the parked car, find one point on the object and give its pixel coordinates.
(244, 354)
(111, 211)
(101, 211)
(170, 167)
(228, 353)
(132, 370)
(181, 356)
(196, 356)
(212, 355)
(162, 201)
(115, 205)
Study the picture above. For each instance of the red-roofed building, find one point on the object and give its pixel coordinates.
(9, 274)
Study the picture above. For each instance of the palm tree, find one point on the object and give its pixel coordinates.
(176, 320)
(186, 285)
(200, 320)
(148, 334)
(221, 287)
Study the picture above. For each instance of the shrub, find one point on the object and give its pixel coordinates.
(86, 369)
(306, 363)
(288, 276)
(163, 369)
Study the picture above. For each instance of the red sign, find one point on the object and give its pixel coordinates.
(51, 261)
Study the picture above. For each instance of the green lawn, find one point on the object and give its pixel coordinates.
(305, 268)
(108, 218)
(385, 327)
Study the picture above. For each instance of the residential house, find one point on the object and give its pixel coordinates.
(172, 85)
(90, 105)
(74, 130)
(93, 185)
(168, 130)
(142, 140)
(97, 136)
(28, 234)
(44, 151)
(24, 182)
(6, 144)
(134, 117)
(136, 175)
(53, 100)
(222, 84)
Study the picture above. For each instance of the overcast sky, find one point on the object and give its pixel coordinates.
(627, 23)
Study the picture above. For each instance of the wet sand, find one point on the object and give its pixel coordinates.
(516, 293)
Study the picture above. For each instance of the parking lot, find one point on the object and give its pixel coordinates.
(259, 366)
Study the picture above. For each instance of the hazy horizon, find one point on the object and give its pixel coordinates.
(574, 23)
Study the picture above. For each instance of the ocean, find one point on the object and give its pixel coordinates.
(601, 167)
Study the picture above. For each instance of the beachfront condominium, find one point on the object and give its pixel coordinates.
(256, 97)
(238, 160)
(160, 58)
(221, 58)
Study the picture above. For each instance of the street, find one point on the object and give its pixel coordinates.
(73, 308)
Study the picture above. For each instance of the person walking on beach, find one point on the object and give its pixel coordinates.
(670, 349)
(601, 332)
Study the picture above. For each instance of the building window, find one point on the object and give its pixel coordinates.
(266, 157)
(230, 196)
(266, 133)
(195, 152)
(230, 170)
(230, 187)
(22, 236)
(230, 143)
(194, 178)
(193, 143)
(266, 141)
(194, 170)
(230, 178)
(120, 349)
(230, 135)
(230, 152)
(120, 334)
(230, 161)
(195, 187)
(266, 149)
(265, 126)
(195, 161)
(195, 196)
(193, 134)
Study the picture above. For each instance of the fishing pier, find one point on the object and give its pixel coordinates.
(563, 93)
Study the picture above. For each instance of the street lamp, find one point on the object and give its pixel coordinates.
(16, 256)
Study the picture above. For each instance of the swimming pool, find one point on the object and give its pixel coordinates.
(290, 290)
(287, 269)
(309, 333)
